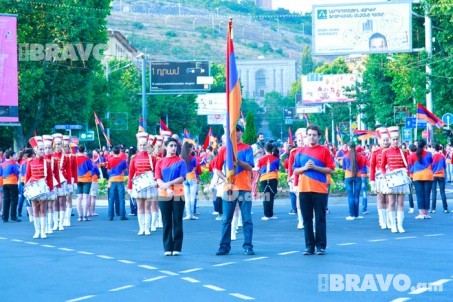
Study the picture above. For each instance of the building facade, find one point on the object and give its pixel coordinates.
(264, 4)
(261, 76)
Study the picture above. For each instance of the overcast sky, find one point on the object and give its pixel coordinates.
(305, 5)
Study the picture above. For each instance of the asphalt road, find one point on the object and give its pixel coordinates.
(106, 261)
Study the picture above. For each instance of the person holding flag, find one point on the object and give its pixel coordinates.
(238, 158)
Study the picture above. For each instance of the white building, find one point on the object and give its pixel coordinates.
(261, 76)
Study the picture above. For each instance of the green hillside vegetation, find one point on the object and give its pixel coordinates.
(197, 29)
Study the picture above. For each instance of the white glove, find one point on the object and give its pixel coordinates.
(373, 186)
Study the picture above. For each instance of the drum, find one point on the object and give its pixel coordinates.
(397, 178)
(143, 181)
(36, 190)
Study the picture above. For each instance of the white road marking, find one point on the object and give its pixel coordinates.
(126, 261)
(47, 245)
(65, 249)
(170, 273)
(190, 270)
(434, 235)
(400, 299)
(147, 266)
(3, 238)
(377, 240)
(81, 298)
(191, 280)
(287, 253)
(408, 237)
(31, 242)
(104, 257)
(121, 288)
(254, 259)
(16, 240)
(241, 296)
(224, 264)
(213, 287)
(346, 243)
(154, 279)
(85, 253)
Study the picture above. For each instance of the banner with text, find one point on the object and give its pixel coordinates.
(332, 88)
(9, 110)
(384, 27)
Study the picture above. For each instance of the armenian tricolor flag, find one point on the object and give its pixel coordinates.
(234, 101)
(339, 139)
(425, 114)
(290, 137)
(164, 130)
(364, 134)
(99, 125)
(141, 128)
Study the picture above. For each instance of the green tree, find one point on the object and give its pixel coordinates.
(308, 64)
(250, 133)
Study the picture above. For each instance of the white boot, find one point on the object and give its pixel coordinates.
(37, 227)
(141, 220)
(153, 221)
(389, 220)
(159, 223)
(49, 223)
(67, 218)
(382, 218)
(55, 221)
(42, 222)
(239, 219)
(147, 224)
(61, 221)
(400, 218)
(234, 223)
(300, 224)
(392, 216)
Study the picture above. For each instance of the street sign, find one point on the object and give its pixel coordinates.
(411, 122)
(289, 113)
(68, 127)
(407, 134)
(447, 118)
(179, 76)
(309, 109)
(87, 136)
(425, 134)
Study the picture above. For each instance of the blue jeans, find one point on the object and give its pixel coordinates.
(190, 195)
(293, 198)
(353, 186)
(116, 194)
(245, 203)
(364, 194)
(441, 181)
(423, 193)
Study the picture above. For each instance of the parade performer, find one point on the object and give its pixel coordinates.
(377, 181)
(72, 174)
(84, 168)
(143, 162)
(38, 174)
(170, 174)
(191, 182)
(64, 171)
(393, 159)
(52, 196)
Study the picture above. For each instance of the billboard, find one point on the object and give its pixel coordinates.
(332, 88)
(9, 110)
(179, 76)
(211, 103)
(384, 27)
(217, 119)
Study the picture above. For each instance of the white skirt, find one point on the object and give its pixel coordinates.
(148, 193)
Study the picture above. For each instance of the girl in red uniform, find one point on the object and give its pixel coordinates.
(37, 169)
(392, 159)
(142, 162)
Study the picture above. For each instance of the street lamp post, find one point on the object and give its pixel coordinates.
(144, 91)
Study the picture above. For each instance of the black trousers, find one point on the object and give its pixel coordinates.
(172, 212)
(269, 189)
(316, 202)
(10, 197)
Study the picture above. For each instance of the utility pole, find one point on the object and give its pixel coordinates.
(144, 90)
(429, 51)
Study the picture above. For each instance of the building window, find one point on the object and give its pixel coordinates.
(260, 82)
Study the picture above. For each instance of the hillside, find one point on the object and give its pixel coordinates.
(172, 31)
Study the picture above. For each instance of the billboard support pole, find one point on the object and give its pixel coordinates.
(144, 91)
(429, 51)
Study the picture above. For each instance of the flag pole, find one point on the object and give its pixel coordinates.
(99, 139)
